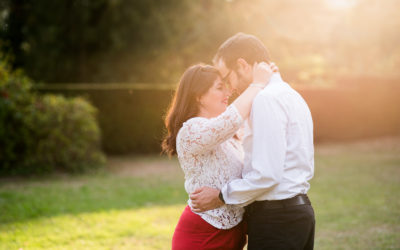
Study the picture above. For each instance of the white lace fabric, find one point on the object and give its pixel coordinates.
(210, 156)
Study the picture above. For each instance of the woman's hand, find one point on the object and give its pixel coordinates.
(262, 73)
(274, 68)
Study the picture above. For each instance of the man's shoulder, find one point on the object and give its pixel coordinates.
(267, 97)
(281, 94)
(275, 90)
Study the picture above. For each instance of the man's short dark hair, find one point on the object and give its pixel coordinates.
(241, 45)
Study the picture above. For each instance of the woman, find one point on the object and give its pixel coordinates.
(201, 131)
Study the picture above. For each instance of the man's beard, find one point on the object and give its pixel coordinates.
(242, 83)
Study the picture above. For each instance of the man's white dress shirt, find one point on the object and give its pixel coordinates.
(278, 145)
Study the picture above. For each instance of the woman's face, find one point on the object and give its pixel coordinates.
(215, 100)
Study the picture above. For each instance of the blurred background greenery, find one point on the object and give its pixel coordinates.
(153, 41)
(83, 79)
(125, 57)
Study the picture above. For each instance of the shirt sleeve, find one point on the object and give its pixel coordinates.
(201, 134)
(268, 119)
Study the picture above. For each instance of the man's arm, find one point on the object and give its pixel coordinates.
(269, 121)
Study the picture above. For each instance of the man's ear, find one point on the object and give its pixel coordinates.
(242, 64)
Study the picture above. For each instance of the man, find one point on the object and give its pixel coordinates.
(279, 156)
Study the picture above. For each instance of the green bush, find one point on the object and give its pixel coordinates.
(16, 100)
(67, 134)
(44, 133)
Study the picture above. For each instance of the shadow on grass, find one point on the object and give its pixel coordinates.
(44, 197)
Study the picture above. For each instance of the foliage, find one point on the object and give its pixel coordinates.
(41, 134)
(16, 102)
(68, 137)
(86, 38)
(154, 40)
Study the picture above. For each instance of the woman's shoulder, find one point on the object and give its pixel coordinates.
(189, 132)
(194, 122)
(191, 125)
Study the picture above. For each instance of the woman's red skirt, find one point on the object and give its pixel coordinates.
(192, 232)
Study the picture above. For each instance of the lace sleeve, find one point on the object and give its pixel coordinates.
(200, 134)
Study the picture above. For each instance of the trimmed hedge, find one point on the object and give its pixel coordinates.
(356, 108)
(44, 133)
(131, 120)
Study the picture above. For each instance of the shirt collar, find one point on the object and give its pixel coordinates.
(276, 77)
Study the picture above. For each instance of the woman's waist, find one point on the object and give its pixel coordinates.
(193, 183)
(224, 217)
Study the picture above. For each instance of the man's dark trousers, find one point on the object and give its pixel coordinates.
(280, 226)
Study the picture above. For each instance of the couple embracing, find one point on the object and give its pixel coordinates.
(247, 165)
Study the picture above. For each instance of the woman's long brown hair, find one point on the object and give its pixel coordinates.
(194, 83)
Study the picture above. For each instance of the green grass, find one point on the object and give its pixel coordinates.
(354, 194)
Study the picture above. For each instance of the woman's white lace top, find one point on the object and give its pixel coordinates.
(210, 156)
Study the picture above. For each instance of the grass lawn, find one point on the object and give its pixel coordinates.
(136, 202)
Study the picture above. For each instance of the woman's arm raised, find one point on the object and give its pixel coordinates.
(203, 134)
(261, 75)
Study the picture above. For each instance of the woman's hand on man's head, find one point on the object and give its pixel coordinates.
(262, 73)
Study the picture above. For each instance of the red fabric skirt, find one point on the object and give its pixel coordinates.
(192, 232)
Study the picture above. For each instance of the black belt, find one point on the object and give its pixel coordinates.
(301, 199)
